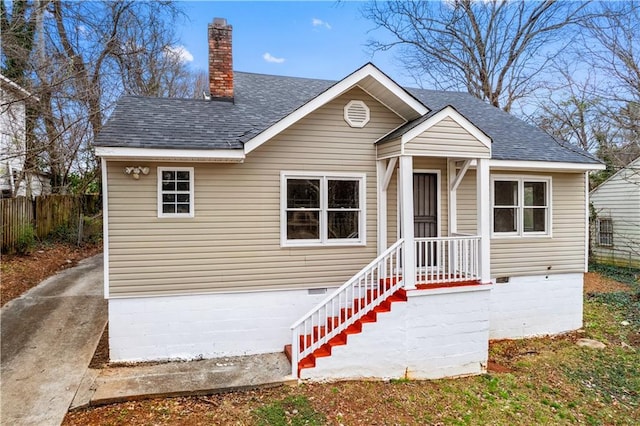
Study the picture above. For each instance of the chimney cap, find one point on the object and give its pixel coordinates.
(219, 22)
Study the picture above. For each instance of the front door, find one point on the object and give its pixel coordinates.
(425, 216)
(425, 205)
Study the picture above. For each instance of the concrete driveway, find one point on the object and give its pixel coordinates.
(48, 338)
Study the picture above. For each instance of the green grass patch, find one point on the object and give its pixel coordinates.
(628, 304)
(612, 374)
(619, 273)
(292, 410)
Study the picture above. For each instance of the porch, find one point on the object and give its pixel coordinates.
(420, 168)
(418, 202)
(430, 159)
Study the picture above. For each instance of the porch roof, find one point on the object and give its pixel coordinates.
(513, 139)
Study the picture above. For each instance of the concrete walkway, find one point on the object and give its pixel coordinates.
(48, 338)
(117, 384)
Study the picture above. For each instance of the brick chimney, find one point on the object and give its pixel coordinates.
(220, 60)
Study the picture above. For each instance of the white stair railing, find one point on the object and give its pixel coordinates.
(447, 259)
(371, 286)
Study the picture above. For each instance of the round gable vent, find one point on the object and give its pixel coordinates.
(356, 113)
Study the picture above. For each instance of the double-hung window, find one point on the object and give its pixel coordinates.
(521, 206)
(322, 209)
(605, 232)
(175, 191)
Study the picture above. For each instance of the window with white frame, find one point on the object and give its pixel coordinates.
(521, 206)
(175, 191)
(605, 232)
(322, 209)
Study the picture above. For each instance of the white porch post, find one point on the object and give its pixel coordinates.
(406, 180)
(453, 197)
(382, 206)
(484, 219)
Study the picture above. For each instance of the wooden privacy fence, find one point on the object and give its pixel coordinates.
(46, 214)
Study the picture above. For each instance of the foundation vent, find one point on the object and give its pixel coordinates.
(356, 114)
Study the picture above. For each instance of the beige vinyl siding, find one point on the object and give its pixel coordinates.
(467, 213)
(619, 199)
(521, 256)
(233, 242)
(447, 138)
(389, 149)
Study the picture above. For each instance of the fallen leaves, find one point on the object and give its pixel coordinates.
(21, 273)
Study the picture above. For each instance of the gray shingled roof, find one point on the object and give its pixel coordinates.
(262, 100)
(513, 139)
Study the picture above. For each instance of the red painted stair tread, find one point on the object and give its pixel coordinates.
(319, 332)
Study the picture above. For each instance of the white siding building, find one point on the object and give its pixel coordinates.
(615, 237)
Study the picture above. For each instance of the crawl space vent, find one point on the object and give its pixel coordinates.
(356, 114)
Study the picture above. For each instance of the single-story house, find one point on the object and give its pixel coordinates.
(374, 230)
(616, 218)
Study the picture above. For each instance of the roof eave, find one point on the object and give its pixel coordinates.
(28, 96)
(171, 155)
(543, 166)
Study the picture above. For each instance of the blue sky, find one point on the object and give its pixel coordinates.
(296, 38)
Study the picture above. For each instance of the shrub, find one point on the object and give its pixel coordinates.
(26, 239)
(65, 233)
(92, 229)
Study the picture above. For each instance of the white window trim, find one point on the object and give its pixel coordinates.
(599, 231)
(191, 193)
(323, 241)
(520, 226)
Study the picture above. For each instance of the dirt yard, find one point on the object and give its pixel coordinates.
(596, 283)
(19, 273)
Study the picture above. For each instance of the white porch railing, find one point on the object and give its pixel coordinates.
(354, 299)
(447, 259)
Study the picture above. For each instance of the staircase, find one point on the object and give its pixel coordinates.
(358, 301)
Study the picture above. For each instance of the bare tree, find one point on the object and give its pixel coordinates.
(571, 109)
(612, 48)
(495, 50)
(79, 58)
(594, 101)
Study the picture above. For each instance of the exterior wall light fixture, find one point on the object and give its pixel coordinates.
(136, 171)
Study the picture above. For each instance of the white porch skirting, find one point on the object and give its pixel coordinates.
(204, 326)
(536, 305)
(436, 333)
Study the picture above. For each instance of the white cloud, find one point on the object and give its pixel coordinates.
(179, 52)
(320, 23)
(270, 58)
